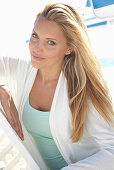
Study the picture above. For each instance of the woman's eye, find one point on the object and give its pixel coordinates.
(51, 42)
(34, 35)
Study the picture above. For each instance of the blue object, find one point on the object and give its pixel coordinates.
(89, 19)
(27, 41)
(97, 24)
(107, 62)
(88, 4)
(101, 3)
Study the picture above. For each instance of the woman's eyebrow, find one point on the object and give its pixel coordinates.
(51, 39)
(48, 38)
(34, 31)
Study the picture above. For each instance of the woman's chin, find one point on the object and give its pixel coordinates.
(35, 65)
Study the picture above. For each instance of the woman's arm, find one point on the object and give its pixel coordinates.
(103, 160)
(8, 80)
(10, 111)
(8, 67)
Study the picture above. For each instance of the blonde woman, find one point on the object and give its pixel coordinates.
(58, 103)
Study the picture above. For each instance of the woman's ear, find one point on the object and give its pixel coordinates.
(69, 50)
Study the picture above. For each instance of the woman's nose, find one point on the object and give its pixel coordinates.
(38, 46)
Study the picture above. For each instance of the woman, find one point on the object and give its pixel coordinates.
(62, 99)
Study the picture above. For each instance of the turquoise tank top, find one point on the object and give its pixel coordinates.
(37, 124)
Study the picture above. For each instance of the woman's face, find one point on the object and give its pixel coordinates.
(47, 45)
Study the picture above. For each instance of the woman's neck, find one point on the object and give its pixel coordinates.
(46, 76)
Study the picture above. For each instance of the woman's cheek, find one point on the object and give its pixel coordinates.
(31, 45)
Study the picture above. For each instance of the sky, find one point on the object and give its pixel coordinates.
(17, 20)
(16, 24)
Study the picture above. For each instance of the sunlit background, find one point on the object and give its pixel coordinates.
(17, 20)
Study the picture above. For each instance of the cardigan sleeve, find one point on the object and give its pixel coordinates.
(13, 72)
(104, 136)
(8, 66)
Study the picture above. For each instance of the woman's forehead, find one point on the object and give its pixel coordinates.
(48, 28)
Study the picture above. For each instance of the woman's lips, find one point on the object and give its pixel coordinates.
(37, 58)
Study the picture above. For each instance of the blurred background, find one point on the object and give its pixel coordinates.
(17, 20)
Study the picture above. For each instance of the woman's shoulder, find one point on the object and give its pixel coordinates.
(12, 67)
(13, 62)
(9, 58)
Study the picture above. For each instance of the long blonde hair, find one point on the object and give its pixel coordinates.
(81, 68)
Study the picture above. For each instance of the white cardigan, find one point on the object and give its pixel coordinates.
(95, 151)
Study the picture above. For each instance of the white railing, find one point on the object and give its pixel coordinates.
(10, 158)
(13, 153)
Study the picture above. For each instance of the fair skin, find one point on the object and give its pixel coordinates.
(10, 110)
(48, 46)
